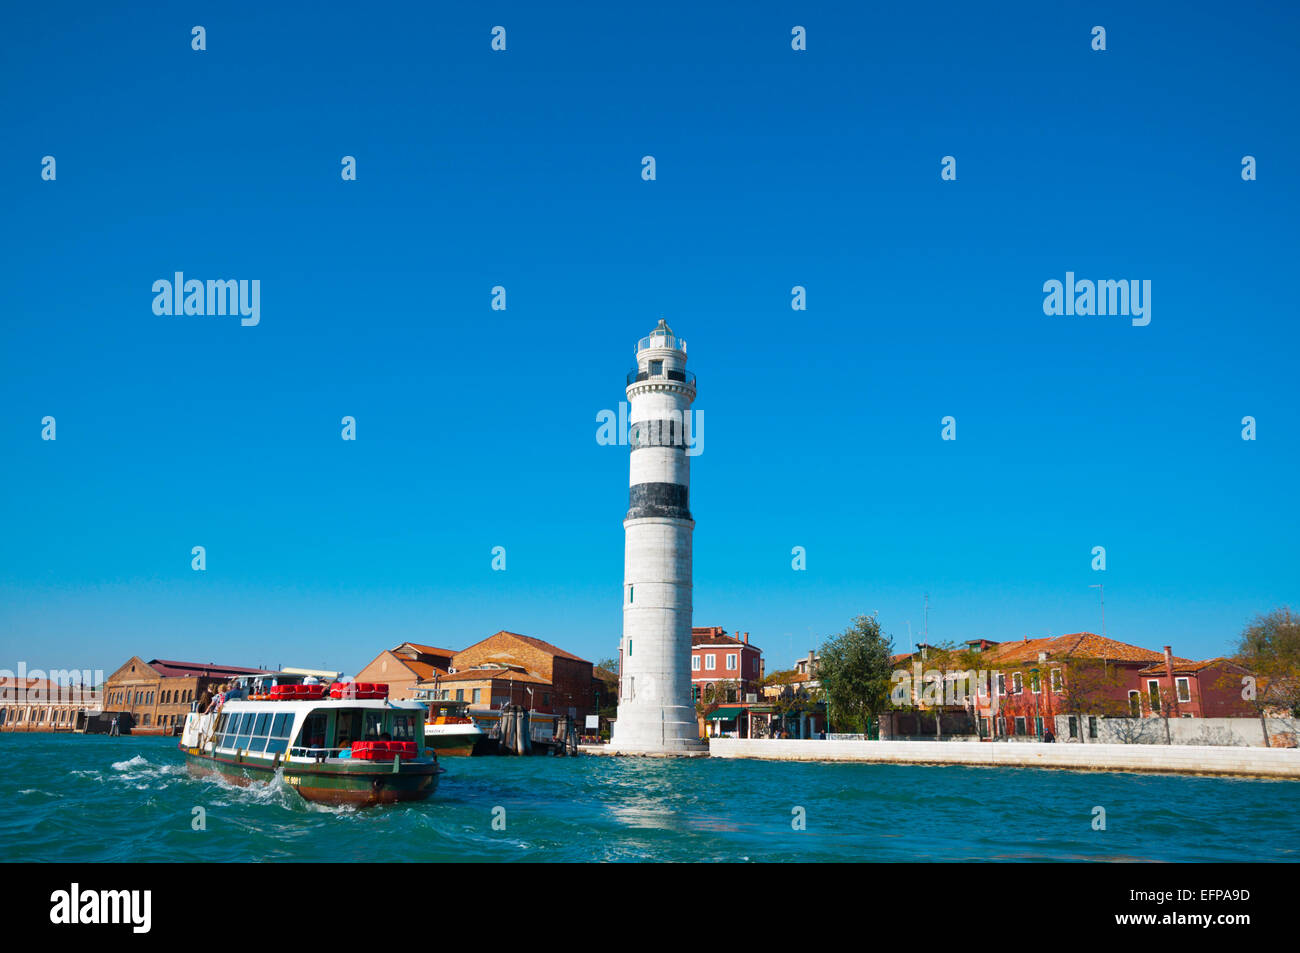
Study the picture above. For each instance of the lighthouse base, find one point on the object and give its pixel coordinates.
(647, 727)
(615, 751)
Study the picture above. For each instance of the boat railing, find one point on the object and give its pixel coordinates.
(317, 754)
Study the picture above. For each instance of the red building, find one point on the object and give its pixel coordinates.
(717, 657)
(1067, 683)
(1208, 689)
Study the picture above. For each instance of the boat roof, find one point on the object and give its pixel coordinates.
(244, 704)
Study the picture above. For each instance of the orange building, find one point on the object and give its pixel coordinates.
(405, 667)
(509, 668)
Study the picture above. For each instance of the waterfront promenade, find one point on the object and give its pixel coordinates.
(1160, 759)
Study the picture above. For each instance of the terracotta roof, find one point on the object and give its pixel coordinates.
(1077, 645)
(172, 669)
(546, 647)
(427, 649)
(716, 640)
(900, 657)
(1184, 666)
(423, 670)
(603, 674)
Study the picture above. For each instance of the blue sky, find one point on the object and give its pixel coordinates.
(476, 428)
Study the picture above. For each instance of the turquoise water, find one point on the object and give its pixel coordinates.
(77, 798)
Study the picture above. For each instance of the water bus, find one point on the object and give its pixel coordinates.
(345, 743)
(449, 729)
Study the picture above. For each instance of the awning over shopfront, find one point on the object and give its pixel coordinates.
(726, 714)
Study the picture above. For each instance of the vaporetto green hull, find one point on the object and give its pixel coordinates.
(361, 783)
(358, 751)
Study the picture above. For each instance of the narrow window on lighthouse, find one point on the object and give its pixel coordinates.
(629, 648)
(630, 591)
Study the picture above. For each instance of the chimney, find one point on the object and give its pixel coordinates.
(1169, 673)
(746, 638)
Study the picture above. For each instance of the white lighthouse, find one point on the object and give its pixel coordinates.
(656, 712)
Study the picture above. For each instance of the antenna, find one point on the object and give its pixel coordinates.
(909, 636)
(926, 631)
(1101, 590)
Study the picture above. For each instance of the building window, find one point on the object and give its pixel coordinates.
(1056, 681)
(1020, 725)
(1034, 684)
(546, 699)
(695, 663)
(1038, 725)
(629, 648)
(1092, 726)
(1135, 704)
(476, 695)
(1153, 694)
(710, 662)
(460, 694)
(731, 662)
(1074, 727)
(1184, 689)
(1002, 684)
(1017, 684)
(631, 590)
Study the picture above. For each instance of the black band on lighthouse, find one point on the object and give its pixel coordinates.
(665, 432)
(658, 499)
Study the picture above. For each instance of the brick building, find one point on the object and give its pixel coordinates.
(39, 704)
(407, 666)
(509, 668)
(719, 657)
(495, 685)
(1207, 689)
(157, 695)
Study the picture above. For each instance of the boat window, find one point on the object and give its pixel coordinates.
(261, 728)
(403, 727)
(374, 725)
(245, 730)
(280, 729)
(347, 727)
(313, 731)
(219, 733)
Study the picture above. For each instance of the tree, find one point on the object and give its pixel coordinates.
(1270, 649)
(855, 673)
(1092, 687)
